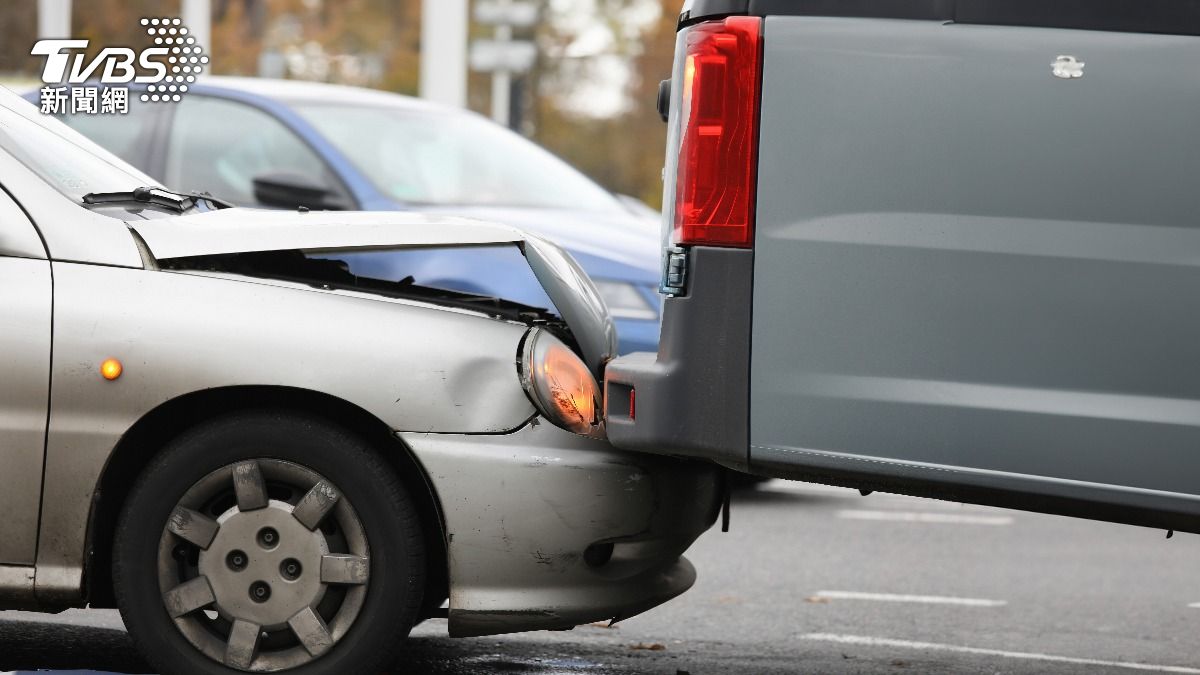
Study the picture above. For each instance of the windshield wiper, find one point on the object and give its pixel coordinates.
(155, 196)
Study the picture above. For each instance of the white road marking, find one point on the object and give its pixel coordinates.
(814, 488)
(1194, 605)
(1028, 656)
(924, 517)
(926, 599)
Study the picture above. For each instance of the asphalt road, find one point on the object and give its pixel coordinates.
(822, 580)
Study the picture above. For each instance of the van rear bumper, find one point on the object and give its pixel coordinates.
(692, 398)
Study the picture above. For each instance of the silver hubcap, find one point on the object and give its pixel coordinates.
(263, 565)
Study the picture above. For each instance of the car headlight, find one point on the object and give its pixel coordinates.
(625, 300)
(560, 384)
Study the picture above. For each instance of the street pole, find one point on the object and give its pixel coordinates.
(197, 16)
(501, 56)
(444, 51)
(54, 19)
(501, 78)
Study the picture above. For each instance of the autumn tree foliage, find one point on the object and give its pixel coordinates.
(590, 97)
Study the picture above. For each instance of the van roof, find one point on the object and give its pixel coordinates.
(1178, 17)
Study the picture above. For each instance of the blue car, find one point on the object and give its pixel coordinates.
(284, 144)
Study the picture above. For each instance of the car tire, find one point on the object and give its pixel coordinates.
(316, 563)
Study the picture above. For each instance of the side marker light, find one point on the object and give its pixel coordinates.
(111, 369)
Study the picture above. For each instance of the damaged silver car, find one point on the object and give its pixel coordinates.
(268, 463)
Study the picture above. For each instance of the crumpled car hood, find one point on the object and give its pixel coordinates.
(241, 230)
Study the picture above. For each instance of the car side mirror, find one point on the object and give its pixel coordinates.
(288, 190)
(663, 102)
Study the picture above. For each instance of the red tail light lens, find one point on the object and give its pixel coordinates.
(714, 184)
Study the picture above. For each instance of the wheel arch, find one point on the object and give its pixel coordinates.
(154, 429)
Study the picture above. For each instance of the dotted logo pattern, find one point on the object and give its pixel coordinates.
(185, 61)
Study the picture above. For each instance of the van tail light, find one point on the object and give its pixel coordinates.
(718, 148)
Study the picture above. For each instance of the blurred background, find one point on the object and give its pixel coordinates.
(576, 76)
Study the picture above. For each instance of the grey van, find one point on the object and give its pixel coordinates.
(947, 248)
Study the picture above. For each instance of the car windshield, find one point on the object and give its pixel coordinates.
(70, 163)
(452, 159)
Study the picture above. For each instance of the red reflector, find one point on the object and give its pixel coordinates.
(633, 404)
(714, 184)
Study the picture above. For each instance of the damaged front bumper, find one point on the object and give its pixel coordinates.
(549, 530)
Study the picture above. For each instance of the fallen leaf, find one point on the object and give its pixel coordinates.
(817, 600)
(651, 646)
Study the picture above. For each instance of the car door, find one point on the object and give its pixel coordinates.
(970, 269)
(25, 304)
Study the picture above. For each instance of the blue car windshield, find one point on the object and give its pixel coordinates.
(456, 159)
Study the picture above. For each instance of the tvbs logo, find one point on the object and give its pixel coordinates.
(166, 69)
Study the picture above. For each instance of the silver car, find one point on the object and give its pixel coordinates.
(267, 463)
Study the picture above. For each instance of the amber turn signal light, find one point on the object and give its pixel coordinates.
(110, 369)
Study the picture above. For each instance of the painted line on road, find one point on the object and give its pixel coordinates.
(1028, 656)
(925, 599)
(924, 517)
(814, 488)
(1194, 605)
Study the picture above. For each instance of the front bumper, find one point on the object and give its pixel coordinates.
(521, 509)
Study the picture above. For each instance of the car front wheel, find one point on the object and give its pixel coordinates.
(267, 542)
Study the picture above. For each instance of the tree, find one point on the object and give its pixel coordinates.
(18, 23)
(590, 97)
(624, 150)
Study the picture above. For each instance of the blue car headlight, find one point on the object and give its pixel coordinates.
(625, 300)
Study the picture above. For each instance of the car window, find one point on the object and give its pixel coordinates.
(118, 134)
(219, 146)
(452, 159)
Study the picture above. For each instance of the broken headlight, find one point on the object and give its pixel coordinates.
(560, 384)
